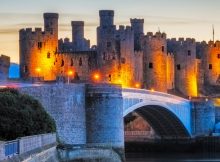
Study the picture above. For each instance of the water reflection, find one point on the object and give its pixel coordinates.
(173, 157)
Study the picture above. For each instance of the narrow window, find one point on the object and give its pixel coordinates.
(178, 67)
(218, 56)
(104, 57)
(110, 77)
(123, 60)
(39, 45)
(150, 65)
(62, 63)
(210, 66)
(71, 63)
(109, 44)
(25, 69)
(80, 61)
(189, 53)
(48, 55)
(163, 49)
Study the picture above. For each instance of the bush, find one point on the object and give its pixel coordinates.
(21, 115)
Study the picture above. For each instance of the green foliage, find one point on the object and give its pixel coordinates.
(21, 115)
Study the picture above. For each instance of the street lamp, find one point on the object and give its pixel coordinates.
(38, 70)
(137, 85)
(96, 77)
(69, 74)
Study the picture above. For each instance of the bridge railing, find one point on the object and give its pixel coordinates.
(144, 91)
(24, 144)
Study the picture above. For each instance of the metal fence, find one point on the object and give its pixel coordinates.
(12, 148)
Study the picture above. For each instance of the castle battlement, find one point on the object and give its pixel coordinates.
(215, 44)
(106, 13)
(77, 23)
(29, 33)
(51, 15)
(157, 35)
(136, 21)
(182, 41)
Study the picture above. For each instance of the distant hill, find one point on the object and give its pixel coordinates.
(14, 70)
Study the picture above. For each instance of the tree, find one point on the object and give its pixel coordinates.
(22, 115)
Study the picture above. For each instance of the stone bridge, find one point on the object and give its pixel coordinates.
(92, 114)
(169, 115)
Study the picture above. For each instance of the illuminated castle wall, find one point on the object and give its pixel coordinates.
(123, 55)
(185, 65)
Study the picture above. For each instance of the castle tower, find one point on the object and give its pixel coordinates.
(211, 63)
(138, 28)
(125, 40)
(51, 25)
(79, 42)
(37, 49)
(106, 45)
(185, 65)
(155, 61)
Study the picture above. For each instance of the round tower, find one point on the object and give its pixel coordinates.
(138, 28)
(77, 31)
(185, 65)
(51, 25)
(212, 63)
(155, 61)
(106, 44)
(104, 116)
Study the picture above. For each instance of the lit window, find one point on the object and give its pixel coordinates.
(210, 66)
(150, 65)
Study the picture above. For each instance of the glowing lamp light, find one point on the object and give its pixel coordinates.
(206, 99)
(152, 90)
(38, 70)
(70, 73)
(96, 77)
(137, 85)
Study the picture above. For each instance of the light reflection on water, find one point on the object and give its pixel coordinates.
(169, 157)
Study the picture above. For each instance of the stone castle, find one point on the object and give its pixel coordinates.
(123, 55)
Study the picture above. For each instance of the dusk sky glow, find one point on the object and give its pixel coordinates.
(178, 18)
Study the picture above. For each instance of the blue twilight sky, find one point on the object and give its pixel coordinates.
(178, 18)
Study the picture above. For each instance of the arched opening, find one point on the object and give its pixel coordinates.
(164, 122)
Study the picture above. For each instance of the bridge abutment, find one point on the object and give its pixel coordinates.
(104, 117)
(203, 117)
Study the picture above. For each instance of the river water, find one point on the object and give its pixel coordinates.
(169, 157)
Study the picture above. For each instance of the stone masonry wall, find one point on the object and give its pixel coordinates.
(203, 115)
(66, 105)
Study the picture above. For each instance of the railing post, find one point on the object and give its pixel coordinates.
(2, 150)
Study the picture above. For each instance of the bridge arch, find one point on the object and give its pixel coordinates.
(163, 120)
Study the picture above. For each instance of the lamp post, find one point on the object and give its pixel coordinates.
(96, 77)
(38, 70)
(69, 74)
